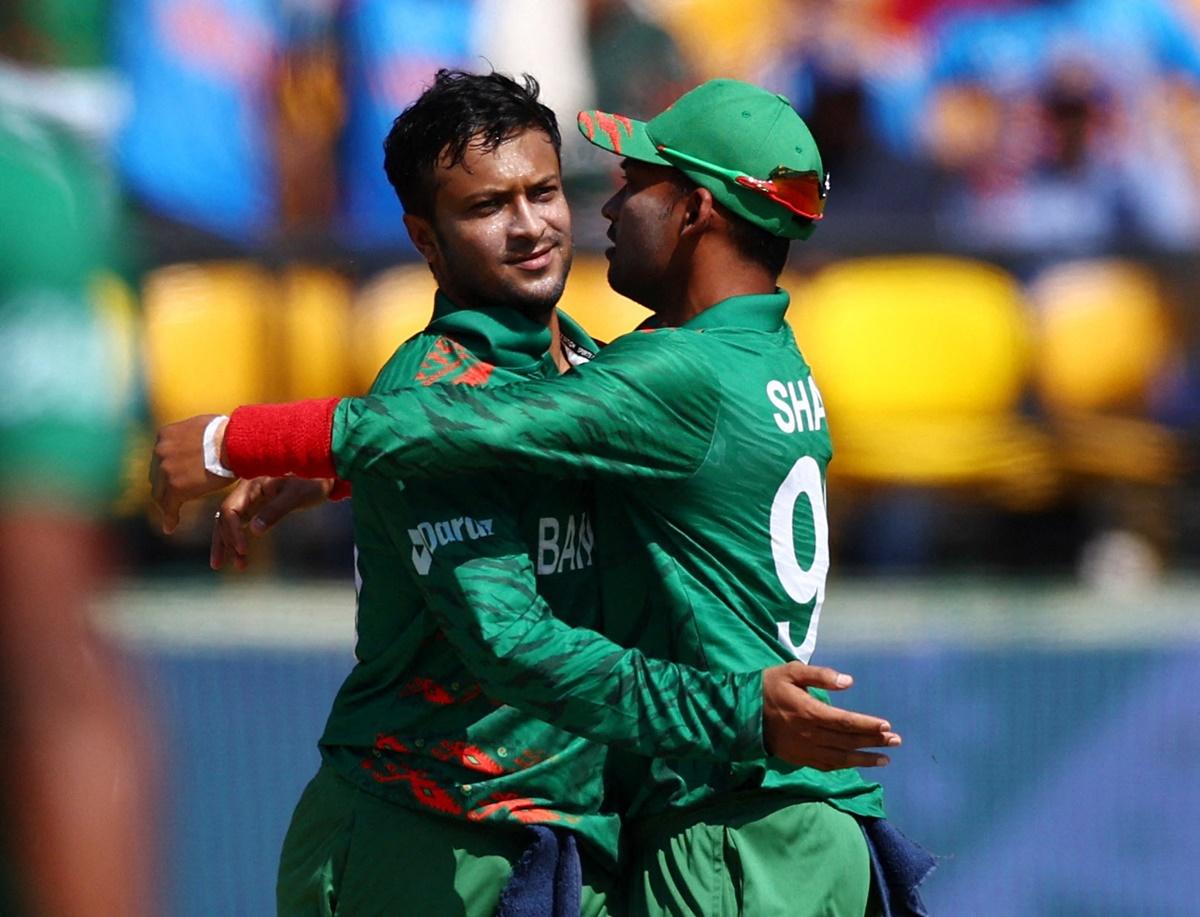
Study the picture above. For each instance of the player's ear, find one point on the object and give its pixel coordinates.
(424, 239)
(697, 212)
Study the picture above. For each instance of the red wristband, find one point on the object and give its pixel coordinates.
(279, 439)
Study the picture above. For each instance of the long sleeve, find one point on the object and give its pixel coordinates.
(480, 582)
(624, 415)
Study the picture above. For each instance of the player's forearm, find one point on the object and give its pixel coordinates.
(554, 428)
(273, 440)
(584, 683)
(604, 423)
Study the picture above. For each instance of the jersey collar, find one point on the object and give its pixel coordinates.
(756, 312)
(500, 336)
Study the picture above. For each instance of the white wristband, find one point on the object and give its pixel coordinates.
(212, 457)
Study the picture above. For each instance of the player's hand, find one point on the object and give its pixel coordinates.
(256, 505)
(803, 731)
(177, 472)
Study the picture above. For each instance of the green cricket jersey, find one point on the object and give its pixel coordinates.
(62, 409)
(62, 405)
(459, 585)
(710, 446)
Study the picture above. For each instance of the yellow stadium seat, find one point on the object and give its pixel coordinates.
(390, 308)
(794, 282)
(921, 362)
(205, 338)
(116, 306)
(313, 330)
(1103, 336)
(591, 301)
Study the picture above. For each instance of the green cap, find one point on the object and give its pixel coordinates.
(744, 144)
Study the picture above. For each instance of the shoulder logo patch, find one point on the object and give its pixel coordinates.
(449, 361)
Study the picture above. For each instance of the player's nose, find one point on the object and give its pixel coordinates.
(527, 222)
(612, 206)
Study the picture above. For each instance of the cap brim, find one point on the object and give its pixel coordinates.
(619, 135)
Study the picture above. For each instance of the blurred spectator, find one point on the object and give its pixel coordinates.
(310, 112)
(77, 771)
(1049, 115)
(855, 73)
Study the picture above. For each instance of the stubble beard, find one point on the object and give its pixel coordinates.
(473, 287)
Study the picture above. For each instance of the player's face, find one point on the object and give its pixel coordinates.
(644, 218)
(501, 230)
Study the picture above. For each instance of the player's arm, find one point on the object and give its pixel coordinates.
(78, 778)
(645, 409)
(484, 592)
(479, 581)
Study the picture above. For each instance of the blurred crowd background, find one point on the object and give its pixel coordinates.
(1002, 307)
(1002, 302)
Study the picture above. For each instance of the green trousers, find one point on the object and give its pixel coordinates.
(758, 855)
(351, 854)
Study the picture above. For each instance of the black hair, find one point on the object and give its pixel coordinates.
(758, 245)
(458, 110)
(753, 243)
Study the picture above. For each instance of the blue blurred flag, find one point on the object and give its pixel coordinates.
(392, 50)
(198, 145)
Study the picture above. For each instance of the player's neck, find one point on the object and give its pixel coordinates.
(556, 348)
(709, 283)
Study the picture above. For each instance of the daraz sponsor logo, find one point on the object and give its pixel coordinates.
(427, 537)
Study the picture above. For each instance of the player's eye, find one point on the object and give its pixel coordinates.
(544, 192)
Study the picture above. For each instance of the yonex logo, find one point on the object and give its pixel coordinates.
(427, 537)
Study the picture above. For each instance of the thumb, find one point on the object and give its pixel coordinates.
(817, 676)
(273, 510)
(170, 513)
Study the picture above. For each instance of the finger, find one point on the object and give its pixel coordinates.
(818, 676)
(828, 759)
(842, 760)
(242, 498)
(276, 507)
(233, 532)
(216, 552)
(243, 503)
(830, 717)
(842, 741)
(170, 512)
(235, 510)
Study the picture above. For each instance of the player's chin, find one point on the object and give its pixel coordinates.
(544, 289)
(541, 299)
(621, 281)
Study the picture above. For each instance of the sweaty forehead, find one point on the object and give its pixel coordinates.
(517, 161)
(521, 151)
